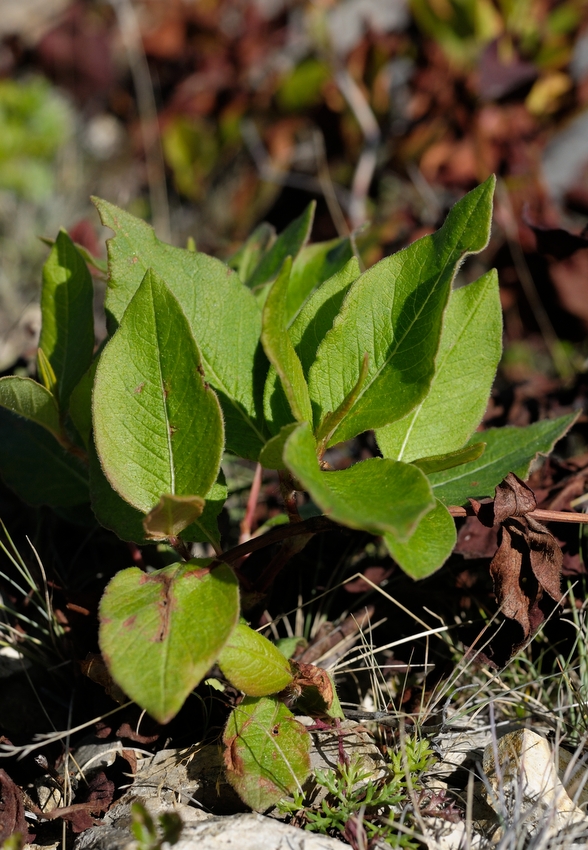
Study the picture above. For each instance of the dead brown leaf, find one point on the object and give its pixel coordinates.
(12, 818)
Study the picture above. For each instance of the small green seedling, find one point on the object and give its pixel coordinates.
(274, 357)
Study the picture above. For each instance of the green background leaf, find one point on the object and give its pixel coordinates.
(306, 332)
(465, 367)
(36, 467)
(253, 664)
(161, 632)
(27, 398)
(157, 424)
(428, 547)
(376, 495)
(67, 333)
(393, 311)
(267, 752)
(315, 264)
(507, 450)
(222, 313)
(279, 349)
(288, 244)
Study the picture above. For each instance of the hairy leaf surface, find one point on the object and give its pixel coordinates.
(377, 495)
(507, 450)
(27, 398)
(157, 424)
(267, 752)
(279, 349)
(253, 664)
(223, 315)
(306, 333)
(394, 313)
(288, 244)
(67, 332)
(428, 547)
(465, 366)
(315, 264)
(160, 632)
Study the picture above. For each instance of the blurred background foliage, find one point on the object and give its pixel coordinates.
(210, 116)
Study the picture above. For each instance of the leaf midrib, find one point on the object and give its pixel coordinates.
(394, 351)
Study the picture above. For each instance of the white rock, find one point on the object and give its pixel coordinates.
(525, 785)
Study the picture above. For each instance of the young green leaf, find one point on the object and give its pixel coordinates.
(279, 349)
(250, 253)
(205, 528)
(306, 332)
(114, 513)
(507, 450)
(271, 456)
(267, 752)
(67, 333)
(80, 403)
(222, 313)
(288, 244)
(437, 463)
(47, 376)
(375, 495)
(149, 374)
(27, 398)
(171, 515)
(314, 265)
(430, 545)
(465, 366)
(160, 632)
(36, 467)
(253, 664)
(392, 311)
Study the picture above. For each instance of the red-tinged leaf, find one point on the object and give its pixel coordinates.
(12, 818)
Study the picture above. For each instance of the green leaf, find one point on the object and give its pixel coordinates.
(205, 528)
(430, 545)
(46, 373)
(314, 265)
(149, 375)
(171, 515)
(253, 664)
(465, 366)
(67, 333)
(267, 752)
(250, 253)
(114, 513)
(288, 244)
(272, 454)
(110, 509)
(306, 332)
(36, 467)
(279, 349)
(392, 311)
(331, 421)
(80, 403)
(507, 450)
(437, 463)
(222, 313)
(161, 632)
(27, 398)
(375, 495)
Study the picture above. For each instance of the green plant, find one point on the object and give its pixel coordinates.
(359, 805)
(34, 122)
(274, 357)
(146, 832)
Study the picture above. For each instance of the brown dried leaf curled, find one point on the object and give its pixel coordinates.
(526, 571)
